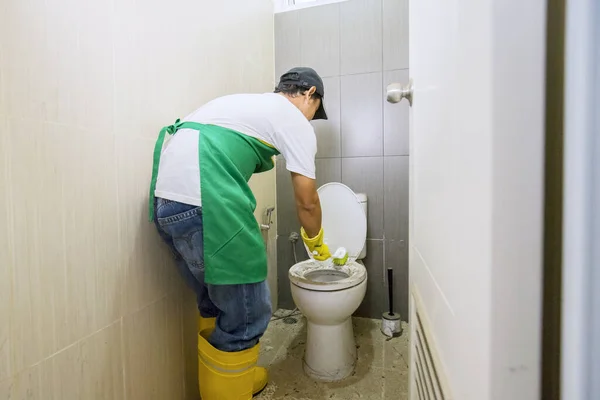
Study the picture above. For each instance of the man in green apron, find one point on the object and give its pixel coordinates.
(204, 209)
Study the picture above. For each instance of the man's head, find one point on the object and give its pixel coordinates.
(304, 88)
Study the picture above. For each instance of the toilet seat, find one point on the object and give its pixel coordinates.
(345, 225)
(327, 277)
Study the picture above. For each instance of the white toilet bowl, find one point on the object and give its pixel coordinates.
(328, 297)
(327, 294)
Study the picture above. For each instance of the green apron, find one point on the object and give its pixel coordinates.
(234, 250)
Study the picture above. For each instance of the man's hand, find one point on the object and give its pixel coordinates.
(317, 248)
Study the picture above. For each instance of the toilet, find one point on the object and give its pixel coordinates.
(328, 294)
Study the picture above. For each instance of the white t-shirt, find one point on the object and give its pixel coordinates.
(269, 117)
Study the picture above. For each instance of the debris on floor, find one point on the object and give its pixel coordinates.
(381, 371)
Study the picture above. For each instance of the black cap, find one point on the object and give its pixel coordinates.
(306, 78)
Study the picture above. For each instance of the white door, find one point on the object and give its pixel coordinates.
(476, 197)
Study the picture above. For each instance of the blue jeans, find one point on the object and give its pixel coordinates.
(242, 311)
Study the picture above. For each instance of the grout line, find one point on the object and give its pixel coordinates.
(340, 53)
(382, 85)
(135, 311)
(382, 49)
(86, 337)
(339, 79)
(76, 343)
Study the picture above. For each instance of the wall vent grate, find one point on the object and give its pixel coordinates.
(428, 379)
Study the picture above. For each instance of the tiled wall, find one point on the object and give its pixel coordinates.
(359, 47)
(90, 304)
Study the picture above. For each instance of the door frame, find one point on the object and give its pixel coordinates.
(581, 213)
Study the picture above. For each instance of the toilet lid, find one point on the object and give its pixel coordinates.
(344, 221)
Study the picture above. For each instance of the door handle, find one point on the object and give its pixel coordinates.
(396, 92)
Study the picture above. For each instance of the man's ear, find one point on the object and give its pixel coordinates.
(311, 91)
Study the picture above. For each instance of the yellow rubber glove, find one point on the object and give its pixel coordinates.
(316, 245)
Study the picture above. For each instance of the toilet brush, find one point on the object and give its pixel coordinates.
(390, 321)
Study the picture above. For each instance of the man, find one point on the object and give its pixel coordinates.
(204, 209)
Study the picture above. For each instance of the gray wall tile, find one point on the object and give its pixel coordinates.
(395, 118)
(396, 257)
(361, 36)
(375, 301)
(362, 119)
(395, 34)
(287, 42)
(320, 39)
(285, 260)
(364, 144)
(329, 131)
(365, 175)
(396, 197)
(328, 170)
(287, 220)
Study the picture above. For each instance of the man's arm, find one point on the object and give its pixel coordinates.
(308, 205)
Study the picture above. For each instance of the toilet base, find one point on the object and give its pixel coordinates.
(330, 354)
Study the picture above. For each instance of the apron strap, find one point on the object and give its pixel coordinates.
(171, 130)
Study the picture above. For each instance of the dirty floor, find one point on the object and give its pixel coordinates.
(381, 371)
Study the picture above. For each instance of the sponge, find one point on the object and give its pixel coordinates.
(340, 256)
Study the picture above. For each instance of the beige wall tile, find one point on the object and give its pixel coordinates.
(94, 64)
(263, 187)
(90, 369)
(190, 344)
(3, 83)
(27, 344)
(93, 271)
(6, 253)
(91, 276)
(147, 263)
(66, 277)
(60, 68)
(25, 67)
(154, 364)
(52, 312)
(24, 386)
(80, 253)
(189, 63)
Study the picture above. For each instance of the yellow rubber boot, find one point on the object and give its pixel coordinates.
(206, 323)
(227, 375)
(261, 378)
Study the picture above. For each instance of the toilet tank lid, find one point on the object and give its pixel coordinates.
(344, 221)
(362, 197)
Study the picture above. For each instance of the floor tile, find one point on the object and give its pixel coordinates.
(396, 354)
(369, 341)
(272, 341)
(283, 350)
(395, 385)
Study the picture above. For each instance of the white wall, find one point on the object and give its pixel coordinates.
(477, 147)
(90, 304)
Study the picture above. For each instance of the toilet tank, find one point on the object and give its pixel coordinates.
(362, 197)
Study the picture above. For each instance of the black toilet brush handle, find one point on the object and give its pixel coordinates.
(390, 276)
